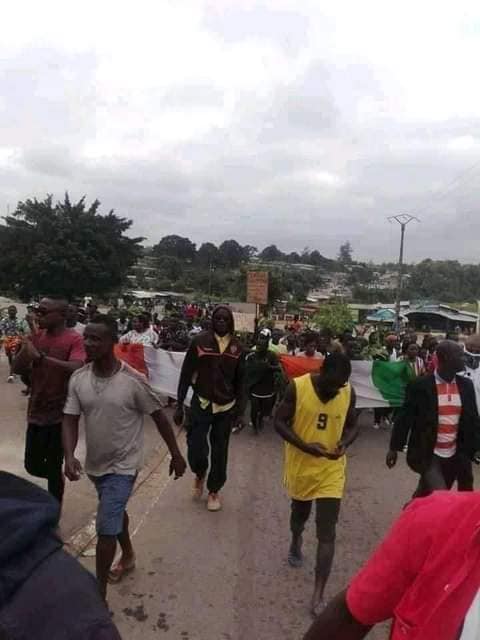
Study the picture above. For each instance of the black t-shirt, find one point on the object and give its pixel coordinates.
(259, 373)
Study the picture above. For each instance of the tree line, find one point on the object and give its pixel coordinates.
(231, 254)
(72, 249)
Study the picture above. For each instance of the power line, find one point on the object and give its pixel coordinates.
(460, 178)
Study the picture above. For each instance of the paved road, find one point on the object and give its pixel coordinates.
(203, 576)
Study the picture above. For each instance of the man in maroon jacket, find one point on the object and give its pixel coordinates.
(214, 367)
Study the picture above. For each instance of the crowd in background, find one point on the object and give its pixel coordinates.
(180, 322)
(438, 425)
(265, 381)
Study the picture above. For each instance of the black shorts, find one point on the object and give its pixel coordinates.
(264, 406)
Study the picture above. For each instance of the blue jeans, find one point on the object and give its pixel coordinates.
(114, 491)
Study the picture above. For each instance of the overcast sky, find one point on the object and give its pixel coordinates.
(299, 123)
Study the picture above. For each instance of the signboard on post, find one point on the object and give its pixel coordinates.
(257, 287)
(244, 322)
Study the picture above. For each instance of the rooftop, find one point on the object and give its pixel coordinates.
(445, 311)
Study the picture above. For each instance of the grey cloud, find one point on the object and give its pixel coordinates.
(287, 29)
(193, 96)
(305, 107)
(48, 97)
(52, 161)
(255, 178)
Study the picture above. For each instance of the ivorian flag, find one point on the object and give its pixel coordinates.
(377, 383)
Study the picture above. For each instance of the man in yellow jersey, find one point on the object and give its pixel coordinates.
(317, 421)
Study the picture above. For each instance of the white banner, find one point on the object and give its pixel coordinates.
(164, 372)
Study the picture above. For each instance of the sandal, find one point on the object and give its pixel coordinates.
(119, 571)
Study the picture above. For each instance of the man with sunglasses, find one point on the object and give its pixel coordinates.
(50, 355)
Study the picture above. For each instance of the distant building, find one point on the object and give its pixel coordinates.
(384, 316)
(361, 312)
(440, 317)
(387, 281)
(333, 287)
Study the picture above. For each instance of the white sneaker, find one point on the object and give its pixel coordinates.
(11, 379)
(214, 503)
(376, 425)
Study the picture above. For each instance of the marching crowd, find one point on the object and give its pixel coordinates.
(425, 577)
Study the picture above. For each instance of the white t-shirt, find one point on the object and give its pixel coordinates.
(79, 328)
(114, 409)
(393, 357)
(471, 627)
(316, 356)
(147, 338)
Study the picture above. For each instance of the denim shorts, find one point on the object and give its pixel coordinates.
(114, 491)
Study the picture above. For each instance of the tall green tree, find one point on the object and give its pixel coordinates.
(335, 316)
(249, 251)
(176, 247)
(231, 254)
(345, 253)
(316, 258)
(207, 255)
(294, 257)
(272, 254)
(170, 267)
(65, 248)
(443, 280)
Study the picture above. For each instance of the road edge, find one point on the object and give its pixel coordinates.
(81, 539)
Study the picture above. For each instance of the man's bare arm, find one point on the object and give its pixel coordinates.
(351, 428)
(337, 623)
(70, 434)
(22, 361)
(165, 430)
(66, 365)
(73, 467)
(177, 464)
(29, 354)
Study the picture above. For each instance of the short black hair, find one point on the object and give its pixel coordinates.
(109, 322)
(61, 301)
(337, 363)
(326, 333)
(407, 344)
(57, 297)
(310, 337)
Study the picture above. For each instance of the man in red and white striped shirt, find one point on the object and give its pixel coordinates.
(449, 411)
(440, 422)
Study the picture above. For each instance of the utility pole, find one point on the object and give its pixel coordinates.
(403, 219)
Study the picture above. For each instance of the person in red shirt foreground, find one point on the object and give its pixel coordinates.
(425, 576)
